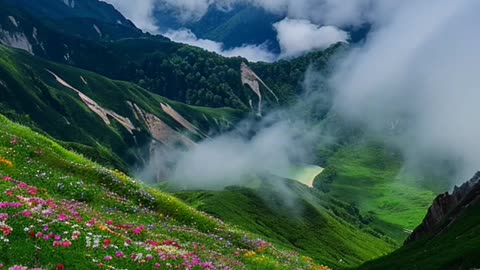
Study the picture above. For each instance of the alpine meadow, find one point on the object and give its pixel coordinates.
(239, 134)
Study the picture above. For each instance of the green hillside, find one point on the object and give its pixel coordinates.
(60, 210)
(455, 246)
(368, 175)
(296, 217)
(30, 93)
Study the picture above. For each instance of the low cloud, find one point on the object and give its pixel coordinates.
(140, 12)
(414, 83)
(254, 53)
(234, 159)
(299, 36)
(258, 148)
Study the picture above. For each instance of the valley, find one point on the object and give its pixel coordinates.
(123, 149)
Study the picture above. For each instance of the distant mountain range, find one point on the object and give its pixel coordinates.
(240, 25)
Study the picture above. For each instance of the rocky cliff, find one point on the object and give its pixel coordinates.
(446, 208)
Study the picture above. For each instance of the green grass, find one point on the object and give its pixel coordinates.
(50, 182)
(32, 95)
(454, 248)
(369, 176)
(296, 217)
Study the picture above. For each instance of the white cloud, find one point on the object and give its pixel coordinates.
(140, 12)
(415, 83)
(254, 53)
(299, 36)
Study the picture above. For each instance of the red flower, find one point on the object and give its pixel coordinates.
(60, 267)
(107, 242)
(31, 234)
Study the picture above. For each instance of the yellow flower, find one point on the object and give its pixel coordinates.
(322, 267)
(6, 162)
(250, 254)
(306, 259)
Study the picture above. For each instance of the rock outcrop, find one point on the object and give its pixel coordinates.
(253, 81)
(446, 208)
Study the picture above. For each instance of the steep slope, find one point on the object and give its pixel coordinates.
(78, 106)
(295, 217)
(448, 238)
(368, 175)
(242, 23)
(175, 71)
(90, 19)
(59, 210)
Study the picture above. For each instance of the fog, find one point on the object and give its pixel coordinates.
(414, 83)
(312, 22)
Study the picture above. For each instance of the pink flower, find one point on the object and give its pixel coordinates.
(6, 230)
(18, 267)
(75, 235)
(157, 265)
(22, 185)
(119, 254)
(14, 141)
(149, 257)
(27, 213)
(108, 258)
(62, 217)
(138, 230)
(66, 244)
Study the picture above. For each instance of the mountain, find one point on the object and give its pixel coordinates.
(62, 211)
(238, 25)
(111, 116)
(88, 101)
(175, 71)
(91, 19)
(448, 238)
(232, 27)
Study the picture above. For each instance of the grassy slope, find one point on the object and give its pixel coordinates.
(455, 248)
(29, 90)
(296, 217)
(367, 175)
(73, 199)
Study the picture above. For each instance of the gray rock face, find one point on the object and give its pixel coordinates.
(446, 208)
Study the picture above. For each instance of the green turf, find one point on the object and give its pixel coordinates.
(456, 247)
(296, 217)
(369, 176)
(75, 200)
